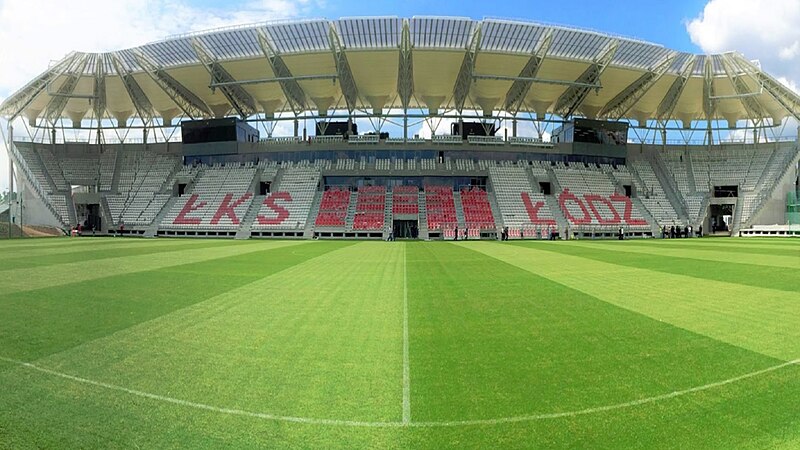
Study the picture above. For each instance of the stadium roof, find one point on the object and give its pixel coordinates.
(374, 64)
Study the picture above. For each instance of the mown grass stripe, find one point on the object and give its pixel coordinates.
(26, 279)
(718, 255)
(742, 247)
(758, 319)
(730, 270)
(56, 318)
(92, 256)
(98, 244)
(331, 346)
(490, 340)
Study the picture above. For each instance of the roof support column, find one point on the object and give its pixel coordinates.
(405, 75)
(709, 105)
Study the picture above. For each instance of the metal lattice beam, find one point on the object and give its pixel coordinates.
(99, 90)
(784, 96)
(237, 96)
(15, 105)
(670, 100)
(346, 81)
(184, 98)
(516, 95)
(405, 71)
(59, 99)
(573, 97)
(464, 79)
(142, 104)
(709, 104)
(294, 94)
(622, 103)
(754, 110)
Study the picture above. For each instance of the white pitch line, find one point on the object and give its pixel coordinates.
(367, 424)
(406, 364)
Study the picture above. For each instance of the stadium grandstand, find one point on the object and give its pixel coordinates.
(304, 129)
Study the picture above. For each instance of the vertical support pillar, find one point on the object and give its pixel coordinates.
(514, 127)
(297, 128)
(10, 175)
(405, 126)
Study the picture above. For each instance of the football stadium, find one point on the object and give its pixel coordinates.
(597, 244)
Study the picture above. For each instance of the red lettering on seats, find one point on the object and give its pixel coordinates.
(181, 219)
(533, 210)
(566, 196)
(282, 212)
(227, 208)
(592, 198)
(627, 215)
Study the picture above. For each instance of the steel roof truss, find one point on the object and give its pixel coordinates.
(237, 96)
(670, 100)
(184, 98)
(622, 103)
(516, 94)
(464, 79)
(346, 81)
(142, 104)
(573, 97)
(294, 94)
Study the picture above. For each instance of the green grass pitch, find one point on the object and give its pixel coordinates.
(125, 343)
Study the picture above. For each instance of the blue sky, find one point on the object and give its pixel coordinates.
(661, 22)
(766, 30)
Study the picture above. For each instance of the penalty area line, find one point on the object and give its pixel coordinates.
(368, 424)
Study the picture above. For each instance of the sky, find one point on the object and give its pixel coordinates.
(34, 33)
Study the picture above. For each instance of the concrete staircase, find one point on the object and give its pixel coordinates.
(669, 186)
(423, 217)
(736, 224)
(646, 216)
(117, 170)
(250, 216)
(496, 213)
(532, 180)
(108, 219)
(388, 215)
(462, 223)
(554, 181)
(308, 232)
(351, 211)
(73, 214)
(152, 229)
(561, 221)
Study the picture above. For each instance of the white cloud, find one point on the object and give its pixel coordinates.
(766, 30)
(36, 32)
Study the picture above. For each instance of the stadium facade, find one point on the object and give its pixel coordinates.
(184, 137)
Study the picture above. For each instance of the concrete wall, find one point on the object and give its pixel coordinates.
(774, 210)
(35, 211)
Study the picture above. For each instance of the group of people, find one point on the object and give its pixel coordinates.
(674, 232)
(550, 234)
(464, 236)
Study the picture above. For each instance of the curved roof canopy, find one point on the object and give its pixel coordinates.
(379, 63)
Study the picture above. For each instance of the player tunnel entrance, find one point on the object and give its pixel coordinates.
(405, 229)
